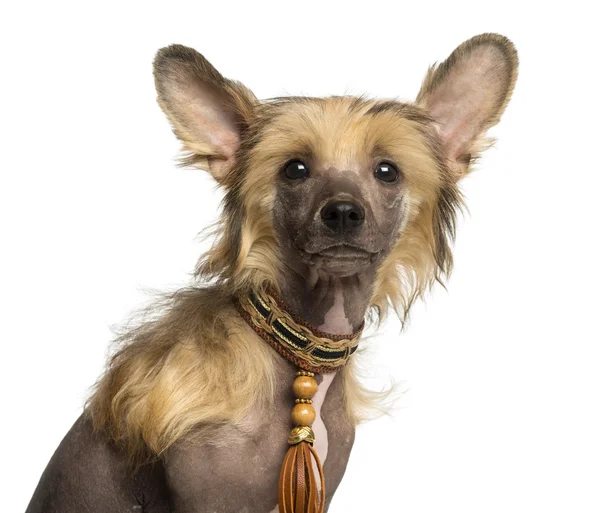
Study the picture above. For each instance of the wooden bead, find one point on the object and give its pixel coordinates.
(303, 415)
(304, 387)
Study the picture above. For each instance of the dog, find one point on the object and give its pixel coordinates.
(336, 210)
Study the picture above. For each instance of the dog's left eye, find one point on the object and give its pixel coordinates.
(386, 172)
(295, 169)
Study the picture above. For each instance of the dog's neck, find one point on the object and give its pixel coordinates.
(331, 304)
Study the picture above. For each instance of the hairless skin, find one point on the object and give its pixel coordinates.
(327, 283)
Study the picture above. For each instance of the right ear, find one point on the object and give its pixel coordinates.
(208, 112)
(467, 94)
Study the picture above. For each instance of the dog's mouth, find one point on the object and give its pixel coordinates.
(345, 252)
(340, 258)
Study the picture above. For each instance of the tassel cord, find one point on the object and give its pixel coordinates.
(298, 491)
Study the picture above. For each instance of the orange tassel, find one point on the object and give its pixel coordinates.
(298, 491)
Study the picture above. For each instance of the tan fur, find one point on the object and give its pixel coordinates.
(184, 367)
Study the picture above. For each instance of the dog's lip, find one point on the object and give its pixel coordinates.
(343, 252)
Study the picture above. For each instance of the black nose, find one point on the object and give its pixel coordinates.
(342, 216)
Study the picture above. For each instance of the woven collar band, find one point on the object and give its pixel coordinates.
(308, 348)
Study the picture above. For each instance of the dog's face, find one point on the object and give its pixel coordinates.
(337, 186)
(343, 186)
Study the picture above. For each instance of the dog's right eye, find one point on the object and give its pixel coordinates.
(295, 169)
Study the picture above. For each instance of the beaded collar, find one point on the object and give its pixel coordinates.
(308, 348)
(300, 490)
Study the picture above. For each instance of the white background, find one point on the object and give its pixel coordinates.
(501, 371)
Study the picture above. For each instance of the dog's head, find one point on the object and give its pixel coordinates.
(337, 186)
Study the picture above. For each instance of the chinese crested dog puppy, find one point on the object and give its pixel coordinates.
(239, 394)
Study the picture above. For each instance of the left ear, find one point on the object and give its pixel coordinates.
(467, 94)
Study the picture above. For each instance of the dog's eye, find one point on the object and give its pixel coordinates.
(386, 172)
(295, 169)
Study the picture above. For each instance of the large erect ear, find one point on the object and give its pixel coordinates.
(208, 112)
(468, 93)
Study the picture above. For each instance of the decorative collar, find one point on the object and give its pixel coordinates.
(310, 349)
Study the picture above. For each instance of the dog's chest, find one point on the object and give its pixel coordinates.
(238, 468)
